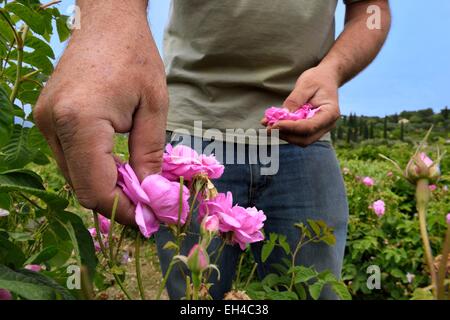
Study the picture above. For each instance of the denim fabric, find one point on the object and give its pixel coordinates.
(308, 185)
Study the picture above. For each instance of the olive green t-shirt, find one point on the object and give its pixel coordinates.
(228, 60)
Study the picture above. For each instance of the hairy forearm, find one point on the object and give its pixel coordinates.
(357, 45)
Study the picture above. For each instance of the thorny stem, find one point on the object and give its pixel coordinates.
(137, 257)
(443, 266)
(300, 245)
(20, 45)
(252, 273)
(111, 228)
(422, 198)
(31, 201)
(105, 254)
(166, 277)
(119, 244)
(239, 269)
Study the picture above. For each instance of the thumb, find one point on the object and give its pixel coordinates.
(147, 139)
(299, 96)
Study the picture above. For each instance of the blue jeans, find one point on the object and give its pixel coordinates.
(308, 185)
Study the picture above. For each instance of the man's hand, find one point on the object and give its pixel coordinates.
(319, 87)
(110, 79)
(354, 50)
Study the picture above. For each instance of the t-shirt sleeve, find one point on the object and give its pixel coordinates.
(347, 2)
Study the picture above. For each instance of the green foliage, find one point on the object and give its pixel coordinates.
(393, 241)
(297, 282)
(38, 229)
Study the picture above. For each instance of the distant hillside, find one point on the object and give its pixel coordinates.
(406, 126)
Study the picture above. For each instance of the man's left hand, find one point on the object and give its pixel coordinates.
(319, 87)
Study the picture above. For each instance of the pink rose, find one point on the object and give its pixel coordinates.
(220, 206)
(210, 224)
(245, 224)
(183, 161)
(33, 267)
(378, 207)
(275, 114)
(197, 259)
(97, 247)
(252, 221)
(131, 186)
(104, 224)
(428, 162)
(5, 294)
(164, 196)
(368, 181)
(432, 187)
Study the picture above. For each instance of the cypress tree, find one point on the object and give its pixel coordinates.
(402, 131)
(385, 136)
(340, 133)
(371, 131)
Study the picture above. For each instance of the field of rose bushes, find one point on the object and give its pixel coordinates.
(51, 248)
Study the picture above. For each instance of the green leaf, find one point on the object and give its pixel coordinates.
(6, 32)
(24, 286)
(5, 201)
(28, 96)
(314, 226)
(61, 26)
(33, 19)
(170, 245)
(284, 244)
(28, 182)
(267, 250)
(327, 276)
(6, 117)
(422, 294)
(10, 254)
(315, 289)
(38, 60)
(341, 290)
(56, 235)
(31, 285)
(16, 153)
(40, 46)
(81, 239)
(303, 274)
(43, 279)
(21, 177)
(271, 280)
(43, 256)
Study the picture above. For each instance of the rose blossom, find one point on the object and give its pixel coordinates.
(410, 277)
(197, 259)
(368, 181)
(156, 199)
(5, 294)
(244, 223)
(275, 114)
(33, 267)
(183, 161)
(210, 224)
(164, 196)
(428, 162)
(432, 187)
(378, 207)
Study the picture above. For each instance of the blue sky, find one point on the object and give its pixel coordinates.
(412, 71)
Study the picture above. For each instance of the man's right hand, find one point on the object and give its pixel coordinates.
(110, 79)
